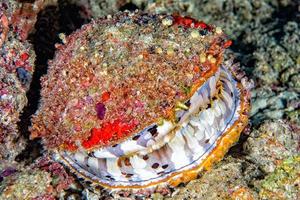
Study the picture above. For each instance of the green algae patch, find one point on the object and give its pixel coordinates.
(284, 182)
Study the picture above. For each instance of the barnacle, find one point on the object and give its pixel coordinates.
(139, 100)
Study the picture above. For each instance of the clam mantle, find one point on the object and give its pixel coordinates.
(140, 100)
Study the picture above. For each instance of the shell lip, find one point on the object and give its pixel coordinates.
(164, 132)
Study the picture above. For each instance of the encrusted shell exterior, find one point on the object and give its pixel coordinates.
(173, 137)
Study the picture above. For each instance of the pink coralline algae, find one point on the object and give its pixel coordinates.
(3, 28)
(17, 59)
(12, 101)
(61, 179)
(22, 15)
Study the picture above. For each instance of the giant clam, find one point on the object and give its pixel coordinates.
(139, 101)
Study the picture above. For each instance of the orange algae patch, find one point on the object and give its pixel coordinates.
(242, 193)
(190, 22)
(227, 44)
(105, 96)
(197, 69)
(70, 146)
(103, 135)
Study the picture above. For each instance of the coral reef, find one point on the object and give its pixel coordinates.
(277, 65)
(44, 179)
(27, 185)
(275, 103)
(17, 66)
(60, 178)
(18, 57)
(23, 15)
(265, 34)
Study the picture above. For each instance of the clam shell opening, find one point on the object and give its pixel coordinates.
(216, 116)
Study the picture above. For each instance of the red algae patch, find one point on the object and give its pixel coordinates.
(118, 75)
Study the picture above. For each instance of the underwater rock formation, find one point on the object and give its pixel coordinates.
(25, 183)
(271, 143)
(17, 62)
(265, 40)
(17, 66)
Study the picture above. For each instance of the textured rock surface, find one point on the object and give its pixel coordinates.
(44, 179)
(284, 182)
(25, 185)
(229, 179)
(272, 143)
(13, 99)
(277, 103)
(17, 66)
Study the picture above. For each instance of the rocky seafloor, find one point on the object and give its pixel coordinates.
(264, 164)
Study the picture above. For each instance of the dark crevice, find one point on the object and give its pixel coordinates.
(244, 54)
(71, 17)
(280, 17)
(64, 18)
(26, 1)
(236, 151)
(129, 6)
(43, 41)
(241, 47)
(284, 15)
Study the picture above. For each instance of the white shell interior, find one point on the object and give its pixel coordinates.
(159, 151)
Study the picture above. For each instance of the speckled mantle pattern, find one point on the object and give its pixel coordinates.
(212, 110)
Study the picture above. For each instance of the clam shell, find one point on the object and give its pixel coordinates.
(190, 144)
